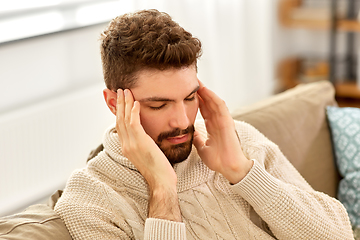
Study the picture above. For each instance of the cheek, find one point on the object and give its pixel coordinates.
(152, 124)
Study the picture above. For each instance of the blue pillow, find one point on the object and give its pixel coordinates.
(345, 129)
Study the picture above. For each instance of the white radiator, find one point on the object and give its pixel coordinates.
(42, 144)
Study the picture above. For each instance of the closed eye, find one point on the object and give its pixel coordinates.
(191, 98)
(157, 108)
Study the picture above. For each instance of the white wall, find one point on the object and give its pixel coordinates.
(52, 113)
(41, 67)
(41, 145)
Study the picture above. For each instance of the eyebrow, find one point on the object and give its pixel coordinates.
(160, 99)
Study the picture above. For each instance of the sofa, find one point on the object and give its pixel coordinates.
(295, 120)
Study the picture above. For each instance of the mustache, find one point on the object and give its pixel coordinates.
(175, 132)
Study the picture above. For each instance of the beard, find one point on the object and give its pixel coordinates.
(179, 152)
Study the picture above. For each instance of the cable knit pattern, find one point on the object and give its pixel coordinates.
(108, 199)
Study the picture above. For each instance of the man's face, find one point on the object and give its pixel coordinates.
(169, 105)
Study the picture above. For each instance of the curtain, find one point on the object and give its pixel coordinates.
(237, 44)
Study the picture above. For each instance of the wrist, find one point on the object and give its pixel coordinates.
(159, 183)
(235, 175)
(164, 203)
(159, 190)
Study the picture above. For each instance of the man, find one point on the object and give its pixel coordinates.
(149, 183)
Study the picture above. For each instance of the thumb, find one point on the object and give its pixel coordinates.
(198, 141)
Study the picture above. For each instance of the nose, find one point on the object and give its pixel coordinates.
(179, 118)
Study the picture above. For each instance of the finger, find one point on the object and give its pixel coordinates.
(129, 103)
(205, 113)
(209, 97)
(120, 107)
(201, 84)
(203, 108)
(198, 142)
(120, 113)
(135, 117)
(200, 145)
(213, 102)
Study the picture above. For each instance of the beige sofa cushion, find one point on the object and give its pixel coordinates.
(37, 222)
(296, 121)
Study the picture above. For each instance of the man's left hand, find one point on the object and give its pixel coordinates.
(221, 151)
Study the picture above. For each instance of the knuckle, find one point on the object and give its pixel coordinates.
(222, 103)
(132, 124)
(127, 121)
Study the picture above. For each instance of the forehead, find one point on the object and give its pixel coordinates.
(171, 83)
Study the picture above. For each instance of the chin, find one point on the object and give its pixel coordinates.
(178, 153)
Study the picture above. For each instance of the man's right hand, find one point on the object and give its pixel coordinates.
(147, 157)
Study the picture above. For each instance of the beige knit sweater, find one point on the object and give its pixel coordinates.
(108, 199)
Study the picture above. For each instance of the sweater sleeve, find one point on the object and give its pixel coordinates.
(87, 213)
(164, 229)
(284, 200)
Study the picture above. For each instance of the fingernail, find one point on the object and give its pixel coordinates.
(126, 92)
(118, 92)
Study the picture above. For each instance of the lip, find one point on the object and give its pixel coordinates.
(178, 139)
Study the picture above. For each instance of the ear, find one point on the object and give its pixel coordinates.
(110, 99)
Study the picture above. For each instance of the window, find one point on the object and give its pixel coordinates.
(21, 19)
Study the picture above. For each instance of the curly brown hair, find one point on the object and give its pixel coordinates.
(146, 39)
